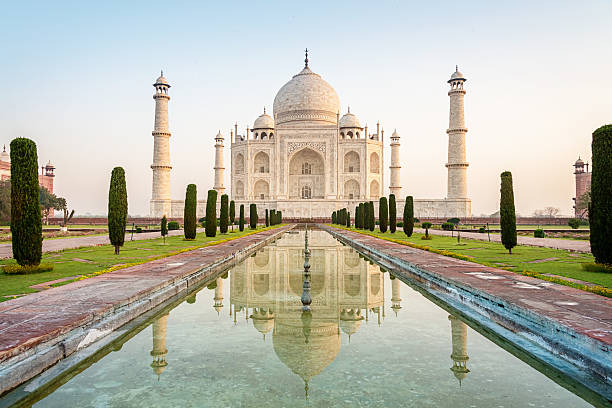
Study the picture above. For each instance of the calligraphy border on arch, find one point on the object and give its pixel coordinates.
(294, 146)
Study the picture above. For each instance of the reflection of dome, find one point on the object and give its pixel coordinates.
(349, 121)
(264, 121)
(306, 97)
(263, 320)
(306, 359)
(350, 321)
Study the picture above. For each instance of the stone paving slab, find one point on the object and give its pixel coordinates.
(30, 321)
(58, 244)
(555, 243)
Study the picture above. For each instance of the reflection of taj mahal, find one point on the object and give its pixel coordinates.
(307, 160)
(346, 291)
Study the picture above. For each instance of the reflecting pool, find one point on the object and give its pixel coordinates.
(371, 340)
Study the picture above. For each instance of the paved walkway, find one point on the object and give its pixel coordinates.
(556, 243)
(57, 244)
(48, 316)
(583, 312)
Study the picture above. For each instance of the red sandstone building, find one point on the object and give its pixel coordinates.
(45, 177)
(583, 184)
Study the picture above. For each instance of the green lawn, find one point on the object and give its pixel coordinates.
(73, 262)
(549, 261)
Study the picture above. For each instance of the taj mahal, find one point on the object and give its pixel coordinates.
(307, 160)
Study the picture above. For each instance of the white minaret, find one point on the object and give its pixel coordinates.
(160, 199)
(394, 169)
(219, 169)
(457, 165)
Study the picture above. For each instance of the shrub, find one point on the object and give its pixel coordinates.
(173, 225)
(267, 219)
(224, 214)
(117, 208)
(595, 267)
(27, 269)
(574, 223)
(507, 215)
(448, 226)
(189, 214)
(26, 220)
(482, 230)
(400, 224)
(539, 233)
(427, 226)
(138, 230)
(392, 214)
(416, 220)
(211, 214)
(408, 223)
(427, 237)
(383, 214)
(600, 208)
(334, 218)
(454, 220)
(253, 216)
(241, 219)
(164, 228)
(232, 214)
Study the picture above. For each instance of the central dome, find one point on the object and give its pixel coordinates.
(306, 97)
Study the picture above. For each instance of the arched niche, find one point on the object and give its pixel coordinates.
(261, 163)
(261, 190)
(306, 168)
(351, 162)
(239, 164)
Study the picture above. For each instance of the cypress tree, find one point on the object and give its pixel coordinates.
(507, 216)
(366, 216)
(232, 214)
(392, 214)
(189, 214)
(334, 217)
(117, 208)
(272, 217)
(361, 216)
(26, 219)
(348, 219)
(164, 228)
(224, 214)
(211, 214)
(372, 221)
(267, 219)
(253, 216)
(600, 208)
(280, 217)
(356, 216)
(241, 219)
(408, 223)
(383, 214)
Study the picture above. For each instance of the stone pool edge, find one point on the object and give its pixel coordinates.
(31, 362)
(572, 349)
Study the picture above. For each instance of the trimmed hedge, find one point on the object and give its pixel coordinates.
(26, 219)
(164, 227)
(241, 219)
(372, 217)
(448, 226)
(253, 216)
(539, 233)
(211, 213)
(224, 214)
(383, 214)
(408, 222)
(334, 218)
(232, 213)
(600, 208)
(117, 208)
(173, 225)
(267, 218)
(27, 269)
(392, 214)
(189, 214)
(507, 215)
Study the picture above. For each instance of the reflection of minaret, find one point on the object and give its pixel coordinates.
(350, 320)
(395, 294)
(219, 295)
(159, 351)
(459, 355)
(263, 320)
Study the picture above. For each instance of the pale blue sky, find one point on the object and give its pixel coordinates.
(77, 80)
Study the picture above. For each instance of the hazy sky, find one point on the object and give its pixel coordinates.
(77, 80)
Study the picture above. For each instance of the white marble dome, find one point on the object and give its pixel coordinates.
(306, 97)
(264, 121)
(457, 74)
(349, 120)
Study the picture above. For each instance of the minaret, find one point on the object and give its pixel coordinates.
(218, 295)
(459, 355)
(219, 169)
(159, 351)
(395, 295)
(160, 199)
(394, 169)
(457, 165)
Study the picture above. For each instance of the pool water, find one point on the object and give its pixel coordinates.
(371, 340)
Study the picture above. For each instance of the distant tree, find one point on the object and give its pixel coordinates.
(454, 221)
(189, 213)
(267, 219)
(582, 203)
(241, 219)
(600, 210)
(62, 205)
(26, 222)
(211, 214)
(5, 201)
(224, 214)
(348, 219)
(551, 212)
(372, 221)
(232, 214)
(164, 228)
(574, 222)
(48, 202)
(507, 215)
(117, 208)
(408, 221)
(383, 214)
(392, 214)
(253, 216)
(334, 218)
